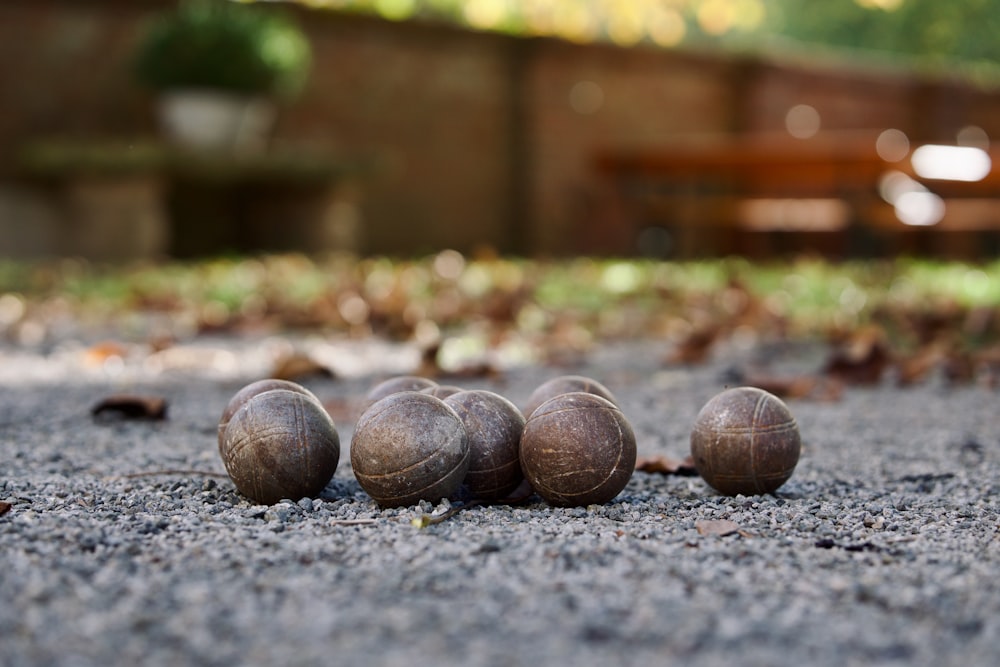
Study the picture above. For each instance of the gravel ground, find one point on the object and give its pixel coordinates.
(880, 550)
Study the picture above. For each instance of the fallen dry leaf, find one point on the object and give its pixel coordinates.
(860, 358)
(430, 367)
(959, 367)
(916, 367)
(4, 508)
(664, 465)
(297, 366)
(98, 354)
(720, 527)
(695, 347)
(808, 387)
(131, 406)
(986, 362)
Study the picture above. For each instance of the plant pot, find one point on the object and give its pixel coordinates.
(216, 121)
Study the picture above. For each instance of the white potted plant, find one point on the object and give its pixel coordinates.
(220, 67)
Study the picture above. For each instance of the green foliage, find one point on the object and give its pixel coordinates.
(932, 32)
(929, 30)
(224, 45)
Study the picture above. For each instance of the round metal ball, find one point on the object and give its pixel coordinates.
(409, 447)
(395, 385)
(251, 390)
(280, 444)
(565, 384)
(578, 449)
(745, 441)
(494, 427)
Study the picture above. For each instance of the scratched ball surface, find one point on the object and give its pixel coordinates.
(494, 427)
(280, 444)
(565, 384)
(251, 390)
(745, 441)
(409, 447)
(578, 449)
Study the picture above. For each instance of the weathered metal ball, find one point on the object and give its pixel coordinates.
(494, 426)
(578, 449)
(745, 441)
(565, 384)
(251, 390)
(280, 444)
(409, 447)
(395, 385)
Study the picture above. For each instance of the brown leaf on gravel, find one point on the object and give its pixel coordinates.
(860, 358)
(807, 387)
(959, 367)
(131, 406)
(98, 354)
(664, 465)
(297, 366)
(4, 508)
(720, 527)
(695, 347)
(987, 363)
(430, 367)
(916, 367)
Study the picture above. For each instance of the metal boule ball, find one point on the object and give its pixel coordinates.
(409, 447)
(565, 384)
(280, 444)
(494, 426)
(578, 449)
(251, 390)
(745, 441)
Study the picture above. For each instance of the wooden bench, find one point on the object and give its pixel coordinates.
(761, 195)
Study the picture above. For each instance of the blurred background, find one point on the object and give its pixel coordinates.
(674, 129)
(498, 182)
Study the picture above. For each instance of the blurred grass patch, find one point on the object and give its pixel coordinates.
(607, 298)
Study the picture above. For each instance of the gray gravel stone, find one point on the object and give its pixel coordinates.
(117, 549)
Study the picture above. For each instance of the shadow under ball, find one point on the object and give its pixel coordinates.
(578, 449)
(745, 441)
(565, 384)
(494, 426)
(251, 390)
(280, 444)
(409, 447)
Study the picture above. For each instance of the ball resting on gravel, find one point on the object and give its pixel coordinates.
(409, 447)
(251, 390)
(565, 384)
(578, 449)
(280, 444)
(494, 427)
(745, 440)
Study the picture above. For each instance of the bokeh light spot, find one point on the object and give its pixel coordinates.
(892, 145)
(802, 121)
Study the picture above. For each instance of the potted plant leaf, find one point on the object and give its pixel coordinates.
(220, 67)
